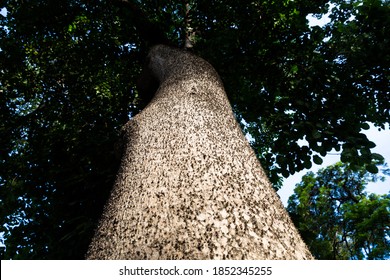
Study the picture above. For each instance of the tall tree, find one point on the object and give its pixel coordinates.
(68, 83)
(337, 218)
(190, 186)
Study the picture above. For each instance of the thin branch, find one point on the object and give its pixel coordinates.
(189, 33)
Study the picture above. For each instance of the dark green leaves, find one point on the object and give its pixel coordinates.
(317, 160)
(66, 89)
(372, 168)
(293, 82)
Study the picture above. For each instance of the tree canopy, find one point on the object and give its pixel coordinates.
(337, 218)
(69, 79)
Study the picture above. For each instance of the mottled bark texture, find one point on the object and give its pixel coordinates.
(190, 186)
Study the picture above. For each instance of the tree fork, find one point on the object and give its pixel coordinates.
(190, 186)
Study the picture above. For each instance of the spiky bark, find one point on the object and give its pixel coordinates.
(190, 186)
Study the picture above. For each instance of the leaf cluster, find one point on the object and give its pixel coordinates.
(337, 218)
(68, 82)
(66, 89)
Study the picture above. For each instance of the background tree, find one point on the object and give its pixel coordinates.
(337, 218)
(68, 75)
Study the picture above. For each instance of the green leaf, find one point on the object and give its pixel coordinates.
(294, 69)
(365, 126)
(377, 157)
(317, 159)
(371, 145)
(307, 164)
(316, 134)
(372, 168)
(365, 152)
(285, 173)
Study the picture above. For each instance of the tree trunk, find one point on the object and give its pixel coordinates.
(190, 186)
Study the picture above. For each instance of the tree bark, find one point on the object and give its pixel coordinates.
(190, 186)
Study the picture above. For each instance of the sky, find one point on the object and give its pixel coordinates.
(3, 11)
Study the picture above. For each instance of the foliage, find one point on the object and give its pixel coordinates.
(292, 82)
(66, 90)
(68, 74)
(337, 218)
